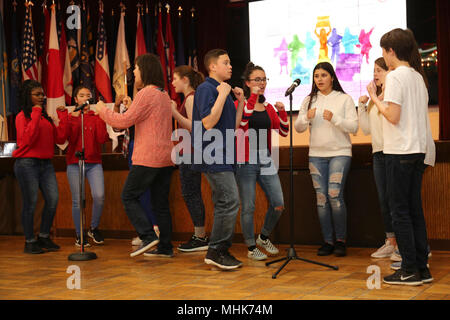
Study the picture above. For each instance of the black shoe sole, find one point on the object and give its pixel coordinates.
(212, 262)
(204, 248)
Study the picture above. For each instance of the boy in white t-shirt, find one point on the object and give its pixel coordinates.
(407, 140)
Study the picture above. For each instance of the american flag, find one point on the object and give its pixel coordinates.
(29, 56)
(102, 78)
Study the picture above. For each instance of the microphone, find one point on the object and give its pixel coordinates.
(291, 89)
(84, 105)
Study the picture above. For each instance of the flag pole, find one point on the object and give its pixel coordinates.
(5, 119)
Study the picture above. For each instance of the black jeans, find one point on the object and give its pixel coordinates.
(404, 185)
(379, 173)
(191, 189)
(139, 180)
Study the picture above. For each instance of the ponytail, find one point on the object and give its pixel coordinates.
(195, 77)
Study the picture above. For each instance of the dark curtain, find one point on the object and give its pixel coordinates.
(443, 44)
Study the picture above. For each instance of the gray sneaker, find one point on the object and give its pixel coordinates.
(267, 245)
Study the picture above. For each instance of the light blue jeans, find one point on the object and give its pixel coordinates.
(247, 175)
(94, 174)
(328, 176)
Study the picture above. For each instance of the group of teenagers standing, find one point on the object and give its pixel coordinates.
(396, 116)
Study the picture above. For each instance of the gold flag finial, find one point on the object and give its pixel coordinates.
(180, 10)
(168, 8)
(139, 7)
(192, 11)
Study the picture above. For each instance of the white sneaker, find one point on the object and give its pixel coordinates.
(267, 245)
(136, 241)
(256, 254)
(385, 251)
(395, 256)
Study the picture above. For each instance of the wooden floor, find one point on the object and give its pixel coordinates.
(114, 275)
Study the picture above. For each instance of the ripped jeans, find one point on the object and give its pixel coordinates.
(328, 176)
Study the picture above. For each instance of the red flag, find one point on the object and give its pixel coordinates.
(55, 92)
(160, 48)
(65, 65)
(140, 47)
(43, 59)
(102, 78)
(170, 53)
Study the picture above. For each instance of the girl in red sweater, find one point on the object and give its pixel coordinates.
(36, 138)
(256, 164)
(95, 135)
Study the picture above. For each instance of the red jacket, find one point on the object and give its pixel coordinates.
(278, 122)
(36, 137)
(95, 135)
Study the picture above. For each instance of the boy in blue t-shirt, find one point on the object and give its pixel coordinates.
(213, 116)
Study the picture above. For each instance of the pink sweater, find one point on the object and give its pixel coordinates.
(151, 114)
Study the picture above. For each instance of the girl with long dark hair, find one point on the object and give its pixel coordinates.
(95, 135)
(330, 114)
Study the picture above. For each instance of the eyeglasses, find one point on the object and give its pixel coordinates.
(259, 80)
(40, 94)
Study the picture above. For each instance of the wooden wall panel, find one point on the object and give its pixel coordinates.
(436, 200)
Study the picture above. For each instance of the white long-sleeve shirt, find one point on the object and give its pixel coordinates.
(371, 122)
(329, 138)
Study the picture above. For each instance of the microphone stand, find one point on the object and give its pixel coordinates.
(82, 255)
(291, 254)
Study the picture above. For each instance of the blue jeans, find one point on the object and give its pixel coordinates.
(247, 175)
(328, 176)
(34, 174)
(146, 197)
(225, 197)
(158, 180)
(94, 174)
(404, 187)
(379, 173)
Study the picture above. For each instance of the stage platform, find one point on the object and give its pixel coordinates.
(114, 275)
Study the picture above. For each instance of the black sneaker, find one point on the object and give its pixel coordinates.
(159, 253)
(340, 249)
(85, 242)
(48, 244)
(325, 250)
(194, 244)
(405, 278)
(33, 248)
(425, 275)
(96, 236)
(145, 246)
(222, 259)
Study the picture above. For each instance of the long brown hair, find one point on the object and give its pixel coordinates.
(336, 85)
(382, 64)
(403, 43)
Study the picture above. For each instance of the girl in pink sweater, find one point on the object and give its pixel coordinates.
(151, 114)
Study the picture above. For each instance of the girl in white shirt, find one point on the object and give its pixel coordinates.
(330, 115)
(371, 122)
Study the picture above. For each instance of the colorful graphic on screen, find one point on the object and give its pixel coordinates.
(289, 37)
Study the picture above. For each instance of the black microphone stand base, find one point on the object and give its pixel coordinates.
(82, 256)
(292, 255)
